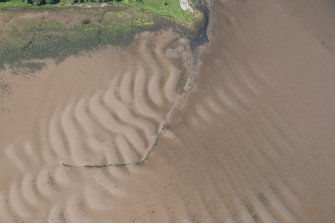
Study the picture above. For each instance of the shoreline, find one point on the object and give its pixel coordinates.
(196, 50)
(191, 61)
(53, 38)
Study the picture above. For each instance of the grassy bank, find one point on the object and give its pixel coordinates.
(58, 30)
(167, 8)
(57, 34)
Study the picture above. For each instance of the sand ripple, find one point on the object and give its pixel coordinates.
(116, 125)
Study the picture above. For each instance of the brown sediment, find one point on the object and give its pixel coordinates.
(246, 132)
(92, 111)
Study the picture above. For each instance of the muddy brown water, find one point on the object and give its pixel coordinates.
(251, 141)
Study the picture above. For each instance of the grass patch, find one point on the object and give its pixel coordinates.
(45, 38)
(58, 30)
(166, 8)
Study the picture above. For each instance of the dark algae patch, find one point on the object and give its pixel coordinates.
(200, 36)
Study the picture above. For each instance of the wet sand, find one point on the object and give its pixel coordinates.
(252, 141)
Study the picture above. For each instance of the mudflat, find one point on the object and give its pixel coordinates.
(238, 130)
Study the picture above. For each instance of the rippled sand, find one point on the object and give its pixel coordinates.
(251, 140)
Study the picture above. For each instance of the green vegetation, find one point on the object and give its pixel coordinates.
(41, 37)
(166, 8)
(44, 29)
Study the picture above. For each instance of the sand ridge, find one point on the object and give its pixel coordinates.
(114, 125)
